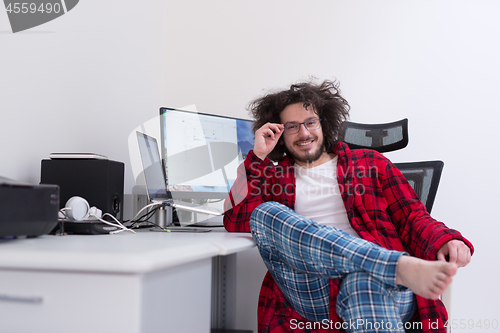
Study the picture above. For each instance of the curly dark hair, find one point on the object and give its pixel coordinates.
(325, 98)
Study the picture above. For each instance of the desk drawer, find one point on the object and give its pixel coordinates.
(33, 301)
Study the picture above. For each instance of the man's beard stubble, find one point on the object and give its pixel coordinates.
(308, 157)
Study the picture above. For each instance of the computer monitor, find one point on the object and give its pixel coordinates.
(201, 152)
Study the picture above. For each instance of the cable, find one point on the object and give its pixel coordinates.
(144, 217)
(146, 207)
(152, 224)
(149, 214)
(118, 224)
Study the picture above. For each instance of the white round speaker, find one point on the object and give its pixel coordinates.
(77, 208)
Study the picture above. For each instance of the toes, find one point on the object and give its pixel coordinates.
(433, 295)
(451, 269)
(438, 289)
(444, 278)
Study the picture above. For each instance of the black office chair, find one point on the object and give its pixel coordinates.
(380, 137)
(424, 177)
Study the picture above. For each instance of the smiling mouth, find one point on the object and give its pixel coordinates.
(305, 143)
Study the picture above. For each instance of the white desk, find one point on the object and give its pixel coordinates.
(144, 282)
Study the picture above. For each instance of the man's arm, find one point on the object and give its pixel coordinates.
(255, 177)
(248, 191)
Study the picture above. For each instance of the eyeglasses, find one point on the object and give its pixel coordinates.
(310, 125)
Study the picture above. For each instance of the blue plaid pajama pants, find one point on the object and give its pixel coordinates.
(302, 256)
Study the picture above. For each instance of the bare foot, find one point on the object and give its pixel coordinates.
(428, 279)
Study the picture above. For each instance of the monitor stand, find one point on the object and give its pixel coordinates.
(164, 216)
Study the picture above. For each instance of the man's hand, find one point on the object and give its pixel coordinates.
(266, 139)
(457, 251)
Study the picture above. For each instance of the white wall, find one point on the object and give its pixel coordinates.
(84, 81)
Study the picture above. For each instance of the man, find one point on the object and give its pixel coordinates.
(340, 231)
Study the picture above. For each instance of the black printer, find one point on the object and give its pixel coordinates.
(27, 210)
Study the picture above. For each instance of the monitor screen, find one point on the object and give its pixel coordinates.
(201, 152)
(153, 167)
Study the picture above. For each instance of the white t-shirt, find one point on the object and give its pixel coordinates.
(318, 196)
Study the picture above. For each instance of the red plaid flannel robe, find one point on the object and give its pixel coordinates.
(381, 206)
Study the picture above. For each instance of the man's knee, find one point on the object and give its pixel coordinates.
(264, 212)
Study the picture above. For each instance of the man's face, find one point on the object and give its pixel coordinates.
(306, 146)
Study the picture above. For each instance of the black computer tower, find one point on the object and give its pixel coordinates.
(100, 182)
